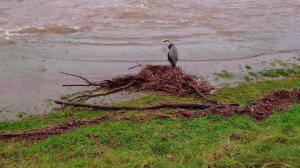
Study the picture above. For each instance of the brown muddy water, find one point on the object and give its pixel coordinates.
(101, 39)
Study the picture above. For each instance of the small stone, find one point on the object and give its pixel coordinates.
(170, 157)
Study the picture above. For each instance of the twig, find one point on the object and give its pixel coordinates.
(149, 107)
(203, 96)
(103, 94)
(138, 65)
(72, 85)
(88, 83)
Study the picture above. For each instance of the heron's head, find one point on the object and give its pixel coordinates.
(166, 42)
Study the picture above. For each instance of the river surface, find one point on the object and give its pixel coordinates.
(101, 39)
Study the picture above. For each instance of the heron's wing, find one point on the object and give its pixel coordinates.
(173, 54)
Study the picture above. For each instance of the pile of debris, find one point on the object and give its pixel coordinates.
(162, 78)
(261, 109)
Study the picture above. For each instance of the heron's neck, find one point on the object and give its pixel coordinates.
(171, 45)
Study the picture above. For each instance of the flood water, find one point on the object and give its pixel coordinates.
(101, 39)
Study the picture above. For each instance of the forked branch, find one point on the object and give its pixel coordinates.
(88, 83)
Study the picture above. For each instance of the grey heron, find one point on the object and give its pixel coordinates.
(171, 51)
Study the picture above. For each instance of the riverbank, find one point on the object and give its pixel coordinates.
(29, 89)
(211, 140)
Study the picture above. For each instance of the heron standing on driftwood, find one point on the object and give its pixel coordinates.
(171, 51)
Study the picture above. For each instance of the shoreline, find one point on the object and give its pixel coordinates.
(36, 90)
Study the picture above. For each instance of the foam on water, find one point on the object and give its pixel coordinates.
(32, 30)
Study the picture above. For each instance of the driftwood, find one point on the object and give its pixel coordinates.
(149, 107)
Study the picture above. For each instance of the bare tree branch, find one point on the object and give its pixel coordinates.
(149, 107)
(88, 83)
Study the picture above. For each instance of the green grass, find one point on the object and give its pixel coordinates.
(286, 71)
(281, 72)
(205, 141)
(248, 78)
(225, 75)
(210, 141)
(254, 90)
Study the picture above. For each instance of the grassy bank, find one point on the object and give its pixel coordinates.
(200, 142)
